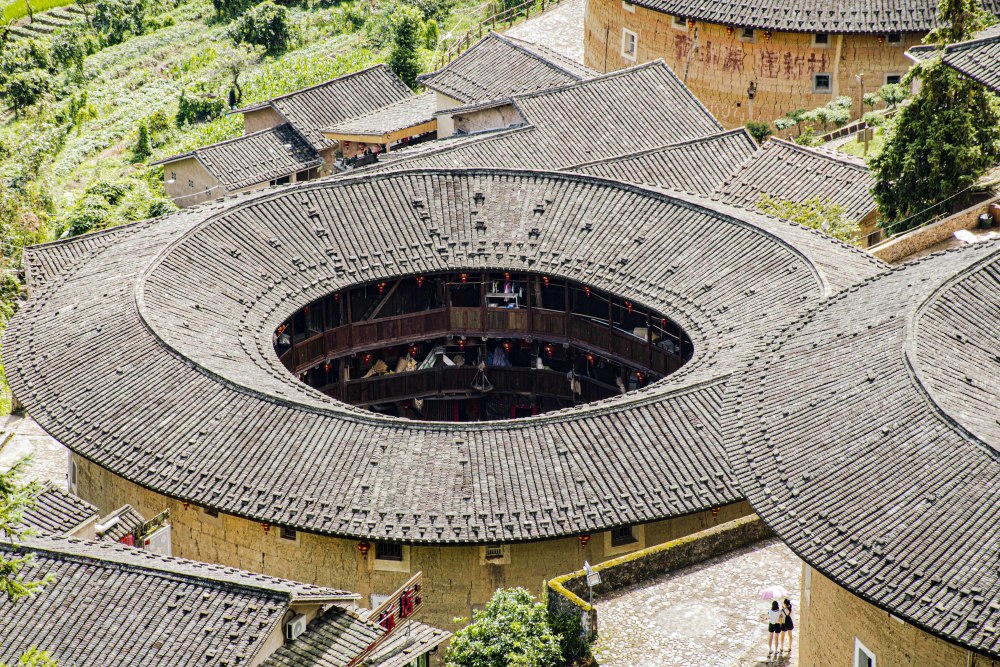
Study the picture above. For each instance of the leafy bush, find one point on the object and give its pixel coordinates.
(431, 37)
(403, 58)
(893, 94)
(89, 214)
(117, 20)
(813, 213)
(159, 207)
(192, 110)
(267, 25)
(69, 48)
(24, 89)
(112, 193)
(759, 130)
(143, 146)
(513, 629)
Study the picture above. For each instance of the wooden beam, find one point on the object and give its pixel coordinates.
(384, 300)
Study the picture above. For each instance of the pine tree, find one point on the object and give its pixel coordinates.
(944, 140)
(403, 59)
(143, 147)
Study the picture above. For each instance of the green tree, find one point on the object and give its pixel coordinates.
(431, 36)
(117, 20)
(15, 498)
(513, 630)
(403, 57)
(34, 658)
(813, 213)
(761, 130)
(24, 89)
(143, 146)
(69, 48)
(892, 94)
(943, 140)
(267, 25)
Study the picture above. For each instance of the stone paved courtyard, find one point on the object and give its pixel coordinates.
(560, 29)
(21, 436)
(707, 615)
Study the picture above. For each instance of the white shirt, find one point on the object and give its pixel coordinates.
(773, 615)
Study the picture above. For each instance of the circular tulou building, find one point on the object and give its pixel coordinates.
(489, 376)
(760, 60)
(871, 445)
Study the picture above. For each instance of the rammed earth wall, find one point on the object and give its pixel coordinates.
(458, 579)
(718, 66)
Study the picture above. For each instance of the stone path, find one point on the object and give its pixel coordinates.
(707, 615)
(21, 436)
(560, 29)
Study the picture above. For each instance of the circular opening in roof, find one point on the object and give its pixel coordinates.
(477, 346)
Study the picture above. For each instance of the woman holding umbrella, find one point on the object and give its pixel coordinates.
(773, 628)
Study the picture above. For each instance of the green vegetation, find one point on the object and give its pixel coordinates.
(268, 26)
(17, 9)
(513, 629)
(33, 658)
(759, 130)
(943, 140)
(403, 57)
(813, 213)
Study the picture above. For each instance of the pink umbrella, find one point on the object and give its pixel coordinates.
(773, 592)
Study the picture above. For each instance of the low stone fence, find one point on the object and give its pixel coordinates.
(898, 248)
(568, 594)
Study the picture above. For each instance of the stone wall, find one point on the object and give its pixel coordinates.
(192, 183)
(900, 247)
(261, 119)
(458, 579)
(719, 67)
(831, 620)
(569, 593)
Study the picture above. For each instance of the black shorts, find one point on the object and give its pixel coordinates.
(787, 625)
(774, 627)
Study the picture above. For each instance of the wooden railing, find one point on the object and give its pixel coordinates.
(507, 18)
(555, 326)
(450, 381)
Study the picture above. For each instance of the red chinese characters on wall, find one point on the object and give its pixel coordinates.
(790, 65)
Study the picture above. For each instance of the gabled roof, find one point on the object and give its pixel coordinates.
(112, 604)
(58, 512)
(212, 283)
(833, 16)
(254, 158)
(982, 40)
(401, 115)
(785, 170)
(311, 109)
(625, 111)
(339, 634)
(499, 65)
(868, 441)
(695, 166)
(978, 59)
(120, 523)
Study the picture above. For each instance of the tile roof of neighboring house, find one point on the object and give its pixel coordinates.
(58, 512)
(311, 109)
(695, 166)
(584, 121)
(499, 65)
(112, 604)
(341, 632)
(176, 317)
(123, 521)
(834, 16)
(406, 113)
(791, 172)
(870, 442)
(978, 59)
(982, 40)
(254, 158)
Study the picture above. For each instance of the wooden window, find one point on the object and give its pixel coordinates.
(862, 656)
(629, 44)
(282, 181)
(622, 535)
(494, 552)
(680, 23)
(821, 40)
(822, 83)
(894, 38)
(628, 6)
(746, 34)
(211, 512)
(288, 533)
(389, 551)
(893, 78)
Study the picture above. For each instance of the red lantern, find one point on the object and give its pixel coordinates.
(461, 343)
(366, 358)
(506, 346)
(715, 513)
(420, 281)
(306, 310)
(266, 527)
(381, 288)
(663, 321)
(548, 350)
(545, 279)
(186, 504)
(326, 368)
(640, 376)
(464, 277)
(364, 548)
(584, 539)
(506, 276)
(628, 306)
(586, 290)
(590, 358)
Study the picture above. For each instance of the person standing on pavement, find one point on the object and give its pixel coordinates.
(773, 629)
(786, 625)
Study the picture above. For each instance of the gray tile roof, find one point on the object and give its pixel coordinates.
(499, 66)
(112, 604)
(340, 634)
(580, 122)
(123, 521)
(834, 16)
(400, 115)
(695, 166)
(175, 318)
(311, 109)
(42, 261)
(58, 512)
(870, 442)
(978, 59)
(254, 158)
(796, 173)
